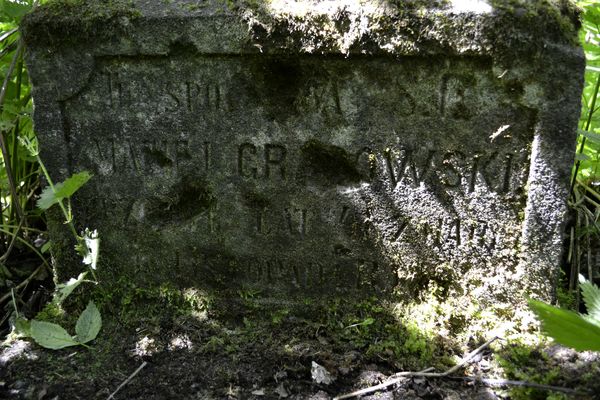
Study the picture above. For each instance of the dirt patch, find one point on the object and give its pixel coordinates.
(203, 358)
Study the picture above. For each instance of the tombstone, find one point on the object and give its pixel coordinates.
(309, 150)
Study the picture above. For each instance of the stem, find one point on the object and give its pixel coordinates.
(5, 155)
(15, 160)
(12, 294)
(60, 203)
(68, 219)
(26, 243)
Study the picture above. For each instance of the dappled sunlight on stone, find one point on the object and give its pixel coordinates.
(475, 6)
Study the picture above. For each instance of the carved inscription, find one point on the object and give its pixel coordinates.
(262, 162)
(195, 96)
(206, 94)
(188, 96)
(456, 96)
(335, 271)
(447, 232)
(289, 220)
(399, 165)
(146, 157)
(328, 177)
(450, 168)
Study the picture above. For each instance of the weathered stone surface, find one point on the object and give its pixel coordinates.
(308, 149)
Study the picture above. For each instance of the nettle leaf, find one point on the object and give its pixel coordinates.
(62, 190)
(591, 297)
(48, 197)
(63, 290)
(566, 327)
(88, 324)
(72, 184)
(51, 336)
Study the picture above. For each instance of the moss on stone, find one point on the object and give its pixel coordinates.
(558, 18)
(69, 20)
(530, 364)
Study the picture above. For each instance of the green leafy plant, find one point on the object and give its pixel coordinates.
(587, 166)
(21, 223)
(54, 336)
(581, 332)
(88, 242)
(47, 334)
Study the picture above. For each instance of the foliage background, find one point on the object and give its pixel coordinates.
(24, 270)
(588, 166)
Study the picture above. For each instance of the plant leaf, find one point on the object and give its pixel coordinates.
(582, 157)
(72, 184)
(51, 336)
(23, 327)
(566, 327)
(63, 290)
(16, 9)
(591, 298)
(6, 125)
(48, 197)
(88, 324)
(62, 190)
(591, 136)
(46, 247)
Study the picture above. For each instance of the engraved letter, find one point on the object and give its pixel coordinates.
(406, 161)
(301, 224)
(173, 103)
(250, 150)
(455, 226)
(275, 156)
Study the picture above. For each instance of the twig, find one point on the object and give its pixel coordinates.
(504, 382)
(398, 377)
(12, 242)
(26, 243)
(137, 371)
(425, 373)
(23, 284)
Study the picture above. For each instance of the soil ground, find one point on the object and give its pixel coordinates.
(190, 358)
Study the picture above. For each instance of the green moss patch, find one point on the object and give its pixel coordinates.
(70, 20)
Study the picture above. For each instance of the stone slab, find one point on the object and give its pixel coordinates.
(313, 149)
